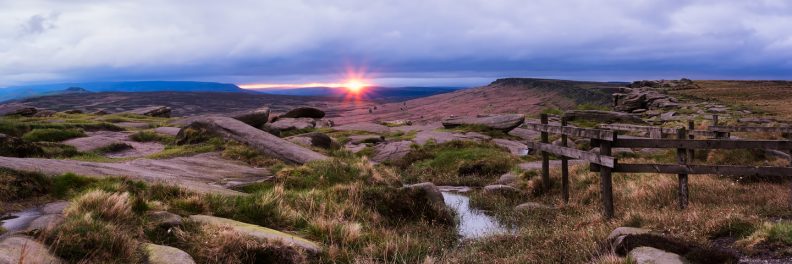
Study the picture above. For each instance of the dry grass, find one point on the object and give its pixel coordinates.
(766, 96)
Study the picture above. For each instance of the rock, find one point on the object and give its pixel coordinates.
(362, 139)
(514, 147)
(442, 136)
(668, 116)
(165, 219)
(20, 111)
(259, 232)
(717, 110)
(391, 151)
(308, 112)
(92, 143)
(432, 192)
(254, 118)
(157, 254)
(155, 111)
(22, 249)
(323, 123)
(354, 148)
(315, 139)
(649, 255)
(100, 112)
(637, 100)
(364, 126)
(133, 125)
(73, 111)
(525, 134)
(395, 123)
(602, 116)
(501, 189)
(54, 207)
(168, 131)
(285, 124)
(504, 123)
(777, 154)
(44, 113)
(530, 206)
(626, 230)
(16, 147)
(262, 141)
(569, 143)
(507, 178)
(45, 222)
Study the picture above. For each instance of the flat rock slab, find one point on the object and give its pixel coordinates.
(514, 147)
(264, 142)
(99, 139)
(391, 151)
(91, 143)
(22, 249)
(500, 122)
(293, 123)
(168, 131)
(526, 134)
(442, 136)
(205, 173)
(367, 127)
(259, 232)
(133, 125)
(649, 255)
(157, 254)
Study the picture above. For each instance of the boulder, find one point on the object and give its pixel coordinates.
(323, 123)
(155, 111)
(432, 192)
(643, 99)
(314, 139)
(157, 254)
(44, 113)
(262, 141)
(20, 111)
(308, 112)
(395, 123)
(259, 232)
(514, 147)
(255, 118)
(45, 222)
(354, 148)
(602, 116)
(165, 219)
(504, 123)
(507, 178)
(22, 249)
(650, 255)
(285, 124)
(391, 151)
(92, 143)
(168, 131)
(362, 139)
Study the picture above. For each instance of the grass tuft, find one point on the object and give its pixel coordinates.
(52, 134)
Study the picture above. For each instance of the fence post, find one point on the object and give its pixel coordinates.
(718, 134)
(682, 155)
(691, 127)
(545, 157)
(606, 181)
(564, 167)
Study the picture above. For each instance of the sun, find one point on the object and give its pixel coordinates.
(355, 85)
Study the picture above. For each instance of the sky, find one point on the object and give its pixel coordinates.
(393, 43)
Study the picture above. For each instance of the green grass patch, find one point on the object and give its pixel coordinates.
(780, 232)
(321, 173)
(495, 133)
(456, 163)
(151, 136)
(52, 134)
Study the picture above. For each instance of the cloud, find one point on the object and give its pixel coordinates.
(267, 41)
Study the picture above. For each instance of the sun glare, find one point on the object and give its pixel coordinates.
(354, 85)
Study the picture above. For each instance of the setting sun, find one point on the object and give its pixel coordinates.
(354, 85)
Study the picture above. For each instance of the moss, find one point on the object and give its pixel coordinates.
(456, 163)
(52, 134)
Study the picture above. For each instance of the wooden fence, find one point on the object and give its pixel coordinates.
(684, 142)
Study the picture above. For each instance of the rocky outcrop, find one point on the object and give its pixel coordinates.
(602, 116)
(22, 249)
(254, 118)
(155, 111)
(205, 173)
(285, 124)
(504, 123)
(262, 141)
(308, 112)
(92, 143)
(313, 139)
(391, 151)
(365, 126)
(259, 232)
(643, 99)
(680, 84)
(158, 254)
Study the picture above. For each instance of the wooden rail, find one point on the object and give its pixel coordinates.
(684, 143)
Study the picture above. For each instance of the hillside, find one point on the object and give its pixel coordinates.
(21, 92)
(772, 97)
(376, 93)
(511, 95)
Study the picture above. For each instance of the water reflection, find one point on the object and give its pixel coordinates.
(473, 223)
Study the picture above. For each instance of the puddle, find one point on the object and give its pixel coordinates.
(20, 220)
(473, 223)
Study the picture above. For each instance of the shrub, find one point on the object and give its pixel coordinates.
(406, 205)
(16, 185)
(52, 134)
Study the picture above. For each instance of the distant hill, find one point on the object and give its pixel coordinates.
(510, 95)
(21, 92)
(377, 93)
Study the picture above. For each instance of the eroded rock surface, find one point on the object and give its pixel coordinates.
(391, 151)
(155, 111)
(158, 254)
(505, 122)
(22, 249)
(259, 232)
